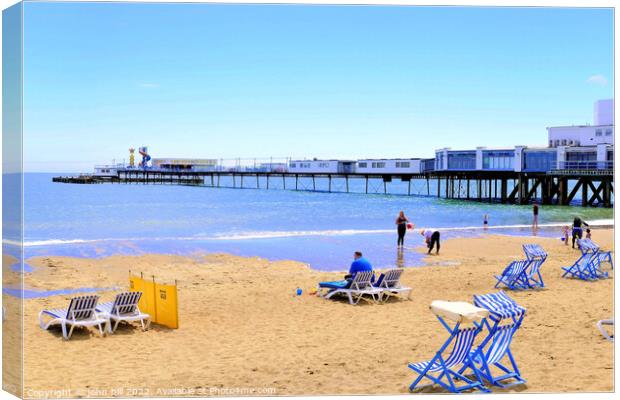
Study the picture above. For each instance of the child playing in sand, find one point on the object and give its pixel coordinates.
(565, 230)
(588, 234)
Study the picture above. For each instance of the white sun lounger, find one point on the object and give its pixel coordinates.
(604, 331)
(357, 288)
(389, 283)
(81, 312)
(124, 308)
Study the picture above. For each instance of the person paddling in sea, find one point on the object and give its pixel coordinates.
(578, 224)
(401, 223)
(359, 264)
(535, 212)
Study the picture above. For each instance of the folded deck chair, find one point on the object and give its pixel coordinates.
(354, 289)
(604, 331)
(503, 322)
(534, 252)
(389, 283)
(81, 312)
(536, 255)
(514, 275)
(124, 308)
(447, 371)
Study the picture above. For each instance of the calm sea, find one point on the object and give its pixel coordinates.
(321, 229)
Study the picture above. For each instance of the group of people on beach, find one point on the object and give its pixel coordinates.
(431, 236)
(576, 232)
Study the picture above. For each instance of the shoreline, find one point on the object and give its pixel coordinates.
(241, 325)
(599, 224)
(415, 249)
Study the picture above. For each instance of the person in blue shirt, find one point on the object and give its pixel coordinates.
(359, 264)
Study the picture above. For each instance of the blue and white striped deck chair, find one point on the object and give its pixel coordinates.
(536, 255)
(582, 269)
(81, 312)
(504, 320)
(603, 256)
(534, 252)
(514, 275)
(447, 371)
(587, 267)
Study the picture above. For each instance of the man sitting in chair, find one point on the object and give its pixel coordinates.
(359, 264)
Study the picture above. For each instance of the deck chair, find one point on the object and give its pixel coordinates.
(354, 289)
(81, 312)
(594, 267)
(514, 275)
(389, 283)
(534, 252)
(536, 255)
(604, 331)
(587, 267)
(603, 256)
(124, 308)
(446, 371)
(504, 320)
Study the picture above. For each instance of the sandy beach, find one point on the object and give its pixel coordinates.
(242, 330)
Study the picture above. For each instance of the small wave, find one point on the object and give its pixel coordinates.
(284, 234)
(254, 235)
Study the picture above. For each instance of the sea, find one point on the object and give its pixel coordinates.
(321, 229)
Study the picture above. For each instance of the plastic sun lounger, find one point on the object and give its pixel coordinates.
(355, 289)
(604, 331)
(124, 308)
(389, 283)
(447, 371)
(514, 275)
(506, 317)
(81, 312)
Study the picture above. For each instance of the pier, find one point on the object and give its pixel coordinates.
(588, 188)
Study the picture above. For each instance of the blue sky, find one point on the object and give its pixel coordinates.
(225, 81)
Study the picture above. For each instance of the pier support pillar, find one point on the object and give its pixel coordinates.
(584, 192)
(606, 193)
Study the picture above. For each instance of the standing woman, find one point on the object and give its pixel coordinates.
(401, 223)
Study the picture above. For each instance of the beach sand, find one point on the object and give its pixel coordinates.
(242, 330)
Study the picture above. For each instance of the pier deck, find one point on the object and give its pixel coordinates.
(559, 187)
